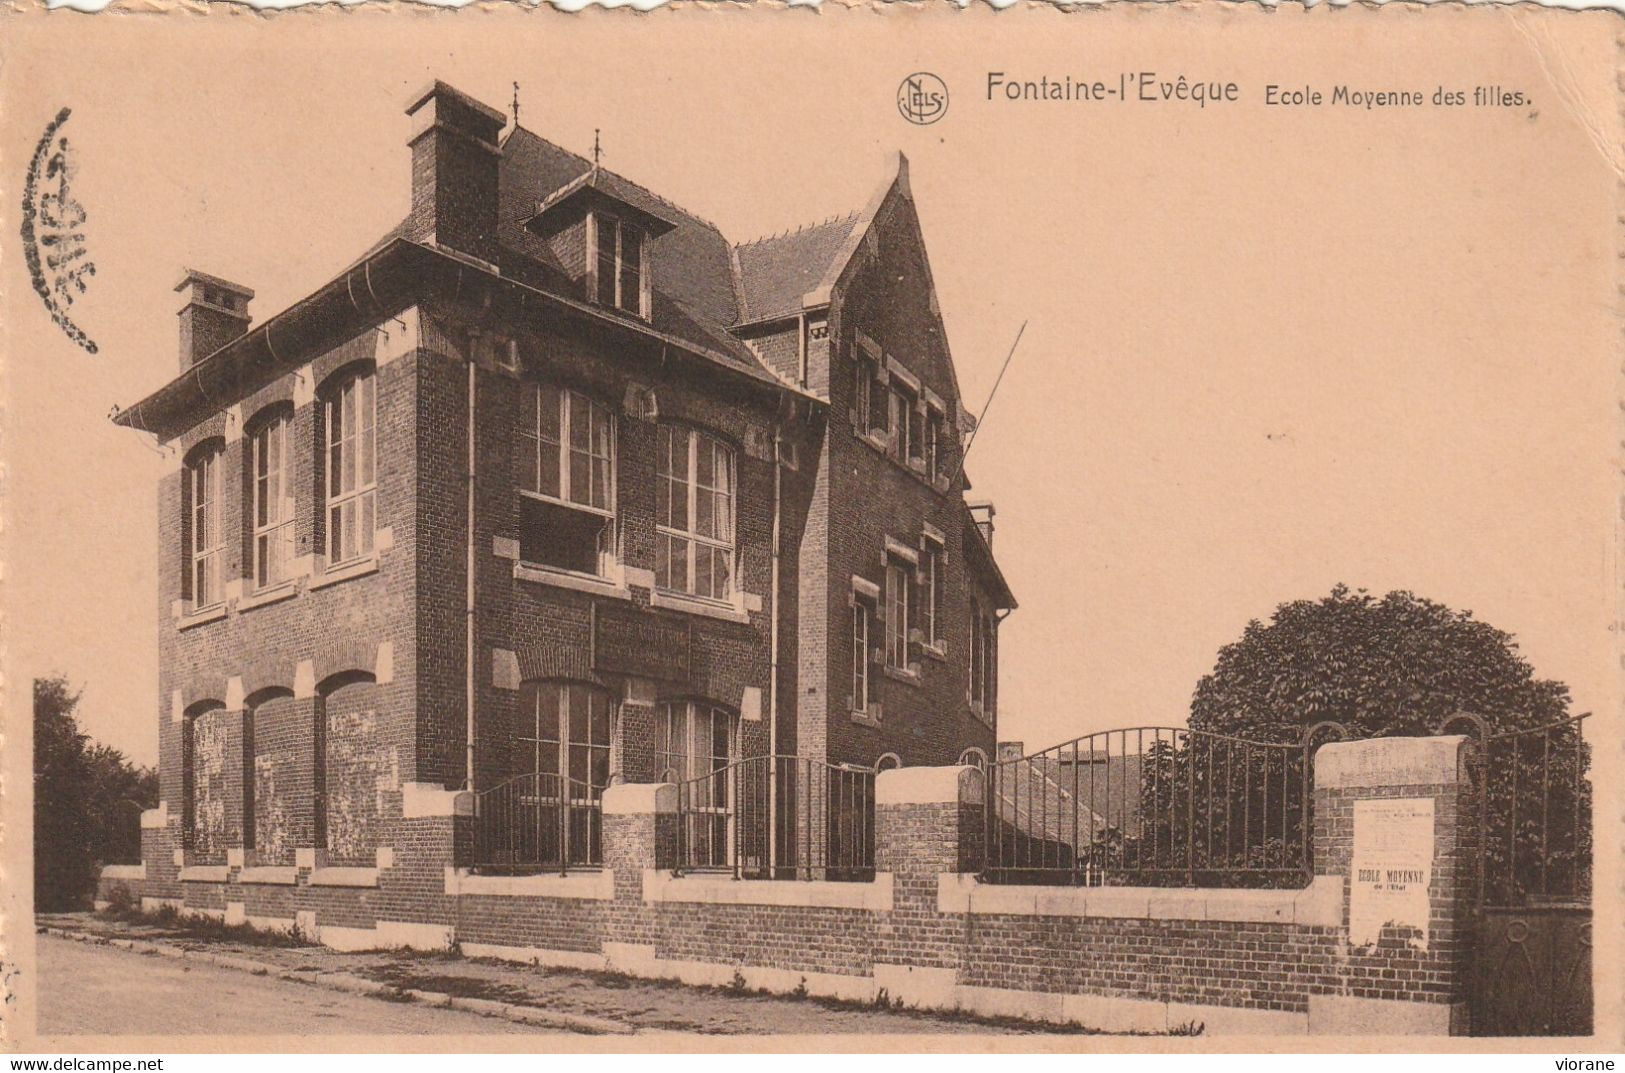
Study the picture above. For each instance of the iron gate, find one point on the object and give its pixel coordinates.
(1531, 933)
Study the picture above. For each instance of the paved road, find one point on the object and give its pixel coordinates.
(101, 990)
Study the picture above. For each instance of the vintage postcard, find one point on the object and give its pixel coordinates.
(878, 527)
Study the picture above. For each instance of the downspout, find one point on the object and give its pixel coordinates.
(773, 653)
(468, 654)
(801, 349)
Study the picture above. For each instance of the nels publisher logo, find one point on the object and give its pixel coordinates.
(922, 98)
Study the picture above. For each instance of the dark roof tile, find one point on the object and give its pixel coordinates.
(776, 273)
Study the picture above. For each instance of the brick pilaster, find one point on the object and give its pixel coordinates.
(928, 822)
(640, 832)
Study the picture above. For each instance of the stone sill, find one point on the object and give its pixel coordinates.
(124, 871)
(344, 877)
(868, 718)
(897, 674)
(205, 873)
(563, 579)
(874, 896)
(344, 572)
(913, 467)
(284, 876)
(596, 886)
(937, 652)
(694, 605)
(270, 595)
(1318, 905)
(202, 616)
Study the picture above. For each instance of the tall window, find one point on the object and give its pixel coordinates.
(933, 443)
(694, 514)
(695, 743)
(620, 265)
(904, 420)
(207, 540)
(563, 731)
(976, 653)
(984, 659)
(932, 589)
(566, 479)
(897, 586)
(860, 656)
(352, 468)
(271, 511)
(862, 392)
(546, 815)
(990, 666)
(880, 420)
(694, 739)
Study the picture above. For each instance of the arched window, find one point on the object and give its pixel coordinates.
(350, 416)
(694, 489)
(270, 498)
(566, 467)
(888, 762)
(205, 538)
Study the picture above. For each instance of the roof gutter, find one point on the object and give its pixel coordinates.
(365, 293)
(377, 287)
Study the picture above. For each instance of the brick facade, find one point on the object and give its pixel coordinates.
(293, 711)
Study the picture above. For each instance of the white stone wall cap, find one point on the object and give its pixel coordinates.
(423, 800)
(1379, 762)
(957, 784)
(154, 818)
(639, 799)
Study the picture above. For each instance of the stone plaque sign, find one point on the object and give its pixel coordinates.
(1391, 868)
(641, 644)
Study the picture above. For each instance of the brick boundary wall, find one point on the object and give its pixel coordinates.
(924, 932)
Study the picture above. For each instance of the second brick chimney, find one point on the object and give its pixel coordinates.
(454, 172)
(215, 313)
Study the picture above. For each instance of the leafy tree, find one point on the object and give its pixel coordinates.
(1397, 665)
(1402, 665)
(87, 801)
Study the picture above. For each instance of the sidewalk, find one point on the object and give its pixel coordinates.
(550, 999)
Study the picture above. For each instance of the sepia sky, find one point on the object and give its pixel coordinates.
(1267, 349)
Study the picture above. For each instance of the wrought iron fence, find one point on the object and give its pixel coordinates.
(539, 822)
(1535, 833)
(1153, 806)
(778, 817)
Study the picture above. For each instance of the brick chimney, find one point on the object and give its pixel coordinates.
(454, 172)
(215, 313)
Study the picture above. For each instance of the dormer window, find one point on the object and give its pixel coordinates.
(620, 220)
(616, 264)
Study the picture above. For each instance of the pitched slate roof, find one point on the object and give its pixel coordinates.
(703, 286)
(775, 273)
(690, 265)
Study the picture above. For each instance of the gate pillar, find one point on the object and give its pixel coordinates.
(1396, 820)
